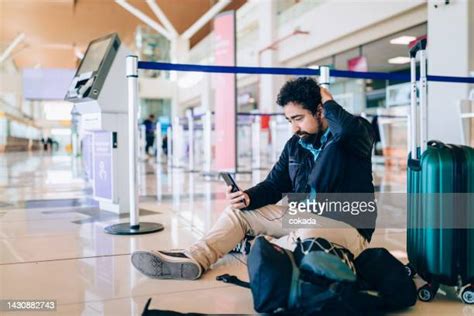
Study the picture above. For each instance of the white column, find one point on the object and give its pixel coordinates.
(142, 145)
(450, 53)
(256, 148)
(189, 115)
(207, 140)
(178, 143)
(132, 80)
(207, 105)
(158, 140)
(169, 140)
(159, 182)
(273, 133)
(179, 51)
(268, 84)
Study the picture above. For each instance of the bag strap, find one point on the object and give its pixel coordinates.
(295, 283)
(232, 279)
(294, 287)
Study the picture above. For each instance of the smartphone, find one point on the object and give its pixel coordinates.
(230, 181)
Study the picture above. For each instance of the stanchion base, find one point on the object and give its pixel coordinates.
(126, 229)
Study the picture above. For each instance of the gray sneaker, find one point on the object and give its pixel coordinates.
(166, 265)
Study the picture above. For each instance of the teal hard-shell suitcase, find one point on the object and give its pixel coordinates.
(440, 234)
(440, 210)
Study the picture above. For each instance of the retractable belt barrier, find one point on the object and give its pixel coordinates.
(290, 71)
(293, 71)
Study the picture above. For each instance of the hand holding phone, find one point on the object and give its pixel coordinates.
(230, 181)
(236, 197)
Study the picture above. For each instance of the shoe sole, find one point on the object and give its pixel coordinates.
(158, 267)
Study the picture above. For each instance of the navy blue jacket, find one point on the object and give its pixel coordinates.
(343, 166)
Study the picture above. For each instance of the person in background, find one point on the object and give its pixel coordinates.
(150, 127)
(164, 145)
(45, 144)
(49, 140)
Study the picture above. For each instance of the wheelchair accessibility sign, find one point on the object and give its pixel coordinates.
(103, 164)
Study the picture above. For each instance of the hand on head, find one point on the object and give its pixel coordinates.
(325, 95)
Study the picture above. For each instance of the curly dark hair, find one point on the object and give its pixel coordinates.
(302, 90)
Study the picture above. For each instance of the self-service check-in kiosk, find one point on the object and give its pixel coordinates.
(99, 94)
(105, 96)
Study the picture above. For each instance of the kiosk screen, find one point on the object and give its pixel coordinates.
(94, 56)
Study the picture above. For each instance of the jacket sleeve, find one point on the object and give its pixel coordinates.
(271, 190)
(355, 132)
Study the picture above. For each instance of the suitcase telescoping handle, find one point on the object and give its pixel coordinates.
(418, 51)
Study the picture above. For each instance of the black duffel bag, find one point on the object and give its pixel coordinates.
(379, 270)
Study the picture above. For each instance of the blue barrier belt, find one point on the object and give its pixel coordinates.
(228, 69)
(315, 152)
(293, 71)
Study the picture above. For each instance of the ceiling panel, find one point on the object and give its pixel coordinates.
(54, 27)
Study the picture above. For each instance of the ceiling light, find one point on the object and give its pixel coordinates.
(399, 60)
(402, 40)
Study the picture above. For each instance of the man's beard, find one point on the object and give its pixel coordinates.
(312, 138)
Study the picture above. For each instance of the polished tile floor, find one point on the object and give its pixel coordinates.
(53, 245)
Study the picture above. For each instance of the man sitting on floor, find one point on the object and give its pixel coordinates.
(330, 152)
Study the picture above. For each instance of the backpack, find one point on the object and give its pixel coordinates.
(316, 280)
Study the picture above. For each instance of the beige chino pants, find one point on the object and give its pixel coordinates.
(233, 224)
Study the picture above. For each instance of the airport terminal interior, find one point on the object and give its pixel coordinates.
(109, 115)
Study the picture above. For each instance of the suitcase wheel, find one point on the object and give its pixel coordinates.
(467, 294)
(427, 292)
(410, 270)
